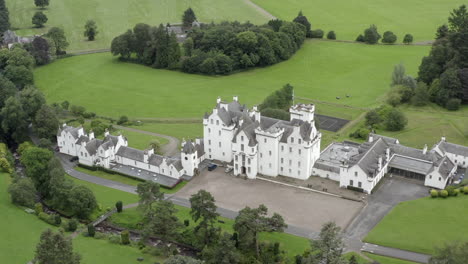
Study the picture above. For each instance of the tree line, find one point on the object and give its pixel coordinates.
(211, 48)
(445, 69)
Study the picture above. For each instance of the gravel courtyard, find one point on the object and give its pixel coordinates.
(298, 207)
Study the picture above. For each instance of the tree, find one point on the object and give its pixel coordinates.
(453, 253)
(13, 120)
(18, 56)
(82, 201)
(160, 220)
(188, 17)
(327, 249)
(458, 20)
(408, 39)
(353, 260)
(331, 35)
(23, 192)
(204, 212)
(251, 221)
(372, 118)
(119, 206)
(395, 120)
(21, 76)
(179, 259)
(40, 50)
(188, 47)
(39, 19)
(421, 95)
(4, 17)
(36, 162)
(389, 37)
(45, 122)
(31, 100)
(7, 90)
(142, 36)
(41, 3)
(371, 35)
(122, 120)
(90, 30)
(123, 45)
(125, 237)
(275, 24)
(59, 187)
(149, 193)
(57, 36)
(55, 248)
(398, 74)
(301, 19)
(442, 31)
(223, 252)
(91, 230)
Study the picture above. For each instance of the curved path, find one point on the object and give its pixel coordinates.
(170, 149)
(260, 9)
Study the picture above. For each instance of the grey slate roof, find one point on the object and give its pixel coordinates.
(388, 140)
(130, 153)
(189, 147)
(413, 165)
(453, 148)
(82, 139)
(444, 167)
(368, 157)
(93, 145)
(72, 130)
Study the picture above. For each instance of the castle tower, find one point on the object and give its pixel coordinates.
(304, 112)
(189, 157)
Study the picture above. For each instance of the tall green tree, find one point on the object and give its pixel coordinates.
(39, 19)
(13, 120)
(57, 36)
(149, 193)
(4, 17)
(408, 39)
(458, 20)
(45, 122)
(395, 120)
(40, 50)
(90, 30)
(328, 248)
(36, 161)
(451, 253)
(203, 211)
(82, 201)
(31, 100)
(123, 45)
(7, 89)
(301, 19)
(371, 35)
(251, 221)
(188, 17)
(160, 220)
(223, 252)
(23, 192)
(421, 95)
(60, 188)
(41, 3)
(55, 248)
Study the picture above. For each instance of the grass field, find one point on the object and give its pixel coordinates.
(114, 17)
(320, 70)
(178, 130)
(387, 260)
(349, 18)
(292, 244)
(422, 224)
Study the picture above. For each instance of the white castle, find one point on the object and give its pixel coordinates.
(256, 145)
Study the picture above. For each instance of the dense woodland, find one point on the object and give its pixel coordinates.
(212, 48)
(445, 69)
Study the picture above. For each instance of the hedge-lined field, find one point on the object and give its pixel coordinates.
(349, 18)
(114, 17)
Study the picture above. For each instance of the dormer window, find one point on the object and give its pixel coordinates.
(300, 141)
(217, 122)
(211, 121)
(242, 138)
(292, 140)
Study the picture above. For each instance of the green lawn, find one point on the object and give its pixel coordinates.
(140, 140)
(114, 17)
(349, 18)
(423, 224)
(320, 70)
(292, 244)
(387, 260)
(178, 130)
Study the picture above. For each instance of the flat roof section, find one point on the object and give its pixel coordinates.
(334, 155)
(146, 175)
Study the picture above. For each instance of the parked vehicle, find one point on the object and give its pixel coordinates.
(212, 167)
(228, 169)
(73, 159)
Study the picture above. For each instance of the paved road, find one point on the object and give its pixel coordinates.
(392, 252)
(170, 149)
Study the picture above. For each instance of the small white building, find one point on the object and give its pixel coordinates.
(255, 144)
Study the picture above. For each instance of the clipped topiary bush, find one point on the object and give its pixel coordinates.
(451, 190)
(91, 230)
(186, 222)
(57, 220)
(318, 33)
(71, 225)
(465, 189)
(434, 193)
(119, 206)
(331, 35)
(456, 192)
(125, 237)
(443, 193)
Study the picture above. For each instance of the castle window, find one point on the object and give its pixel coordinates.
(209, 142)
(351, 182)
(300, 141)
(253, 150)
(223, 154)
(282, 148)
(242, 147)
(219, 144)
(237, 166)
(86, 155)
(298, 172)
(248, 161)
(219, 133)
(269, 165)
(289, 170)
(217, 122)
(292, 140)
(211, 121)
(209, 130)
(290, 149)
(261, 155)
(299, 152)
(359, 184)
(430, 176)
(440, 179)
(281, 169)
(236, 158)
(209, 150)
(282, 160)
(298, 163)
(355, 173)
(186, 158)
(264, 140)
(269, 152)
(242, 138)
(81, 153)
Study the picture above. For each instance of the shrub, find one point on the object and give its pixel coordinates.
(360, 38)
(125, 237)
(57, 220)
(91, 230)
(77, 110)
(361, 133)
(331, 35)
(371, 35)
(38, 208)
(450, 190)
(22, 192)
(395, 120)
(100, 235)
(389, 37)
(89, 114)
(443, 194)
(318, 33)
(186, 222)
(453, 104)
(456, 192)
(119, 206)
(71, 225)
(434, 193)
(46, 218)
(122, 120)
(114, 239)
(465, 189)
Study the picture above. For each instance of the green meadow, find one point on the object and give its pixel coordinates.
(349, 18)
(320, 70)
(423, 224)
(114, 17)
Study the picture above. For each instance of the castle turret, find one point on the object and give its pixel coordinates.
(189, 157)
(304, 112)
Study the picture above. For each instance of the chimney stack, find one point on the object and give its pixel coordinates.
(425, 149)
